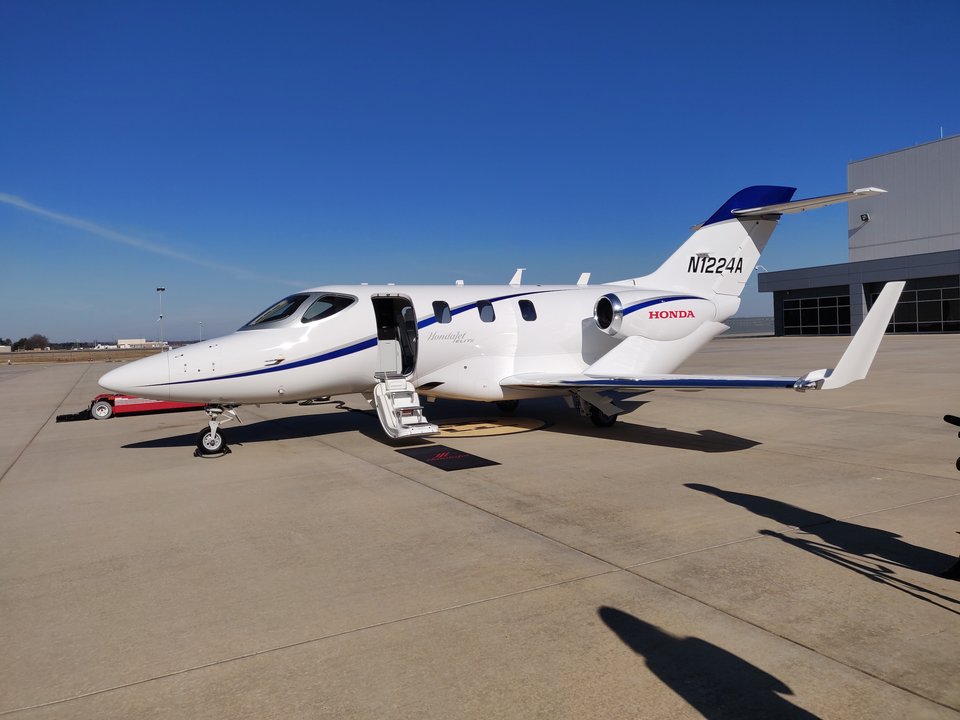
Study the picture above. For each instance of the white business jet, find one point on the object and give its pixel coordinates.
(394, 344)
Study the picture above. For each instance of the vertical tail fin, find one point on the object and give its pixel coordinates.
(722, 252)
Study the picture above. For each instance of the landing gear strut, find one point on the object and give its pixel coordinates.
(210, 440)
(508, 406)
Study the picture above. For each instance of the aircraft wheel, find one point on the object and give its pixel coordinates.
(958, 463)
(210, 443)
(508, 406)
(101, 410)
(600, 418)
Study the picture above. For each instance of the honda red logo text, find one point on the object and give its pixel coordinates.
(670, 314)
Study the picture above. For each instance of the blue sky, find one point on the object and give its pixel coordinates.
(235, 151)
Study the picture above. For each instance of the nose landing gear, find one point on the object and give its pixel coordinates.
(210, 440)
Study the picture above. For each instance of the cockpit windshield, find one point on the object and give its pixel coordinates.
(318, 307)
(327, 305)
(279, 311)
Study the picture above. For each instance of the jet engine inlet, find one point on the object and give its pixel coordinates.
(608, 314)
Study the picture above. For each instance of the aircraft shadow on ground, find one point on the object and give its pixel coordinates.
(867, 551)
(717, 683)
(707, 441)
(297, 426)
(558, 419)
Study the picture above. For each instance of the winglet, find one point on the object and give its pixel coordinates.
(859, 355)
(517, 277)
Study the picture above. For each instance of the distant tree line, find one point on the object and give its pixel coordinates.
(34, 342)
(39, 342)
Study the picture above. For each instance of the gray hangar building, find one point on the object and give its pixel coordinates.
(911, 233)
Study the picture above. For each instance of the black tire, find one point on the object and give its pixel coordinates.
(958, 463)
(600, 418)
(508, 406)
(209, 443)
(101, 410)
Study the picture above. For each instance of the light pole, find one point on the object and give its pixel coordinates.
(160, 291)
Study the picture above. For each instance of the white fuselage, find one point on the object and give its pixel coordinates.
(460, 354)
(499, 343)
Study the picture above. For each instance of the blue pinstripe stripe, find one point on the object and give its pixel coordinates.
(346, 350)
(430, 320)
(340, 352)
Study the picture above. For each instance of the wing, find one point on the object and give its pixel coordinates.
(853, 366)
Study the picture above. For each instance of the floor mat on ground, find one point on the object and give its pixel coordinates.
(446, 458)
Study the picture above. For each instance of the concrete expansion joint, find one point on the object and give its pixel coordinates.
(46, 422)
(473, 603)
(309, 641)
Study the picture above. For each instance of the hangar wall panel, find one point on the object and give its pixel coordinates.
(920, 212)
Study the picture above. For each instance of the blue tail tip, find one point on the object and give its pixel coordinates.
(751, 197)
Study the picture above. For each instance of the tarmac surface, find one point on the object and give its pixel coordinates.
(718, 554)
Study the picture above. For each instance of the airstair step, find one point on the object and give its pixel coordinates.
(398, 407)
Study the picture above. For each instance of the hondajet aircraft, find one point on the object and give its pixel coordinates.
(502, 344)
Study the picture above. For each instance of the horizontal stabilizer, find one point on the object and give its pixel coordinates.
(796, 206)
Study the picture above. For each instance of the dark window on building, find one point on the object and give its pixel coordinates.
(926, 305)
(827, 315)
(905, 312)
(485, 308)
(441, 311)
(527, 311)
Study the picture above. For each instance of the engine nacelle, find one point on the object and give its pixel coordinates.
(651, 314)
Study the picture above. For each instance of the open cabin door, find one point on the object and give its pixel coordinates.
(396, 335)
(394, 396)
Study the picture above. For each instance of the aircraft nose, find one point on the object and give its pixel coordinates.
(147, 377)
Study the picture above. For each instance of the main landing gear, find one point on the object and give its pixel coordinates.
(210, 440)
(599, 418)
(601, 410)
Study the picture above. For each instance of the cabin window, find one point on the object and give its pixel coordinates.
(485, 308)
(527, 311)
(441, 311)
(279, 311)
(327, 305)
